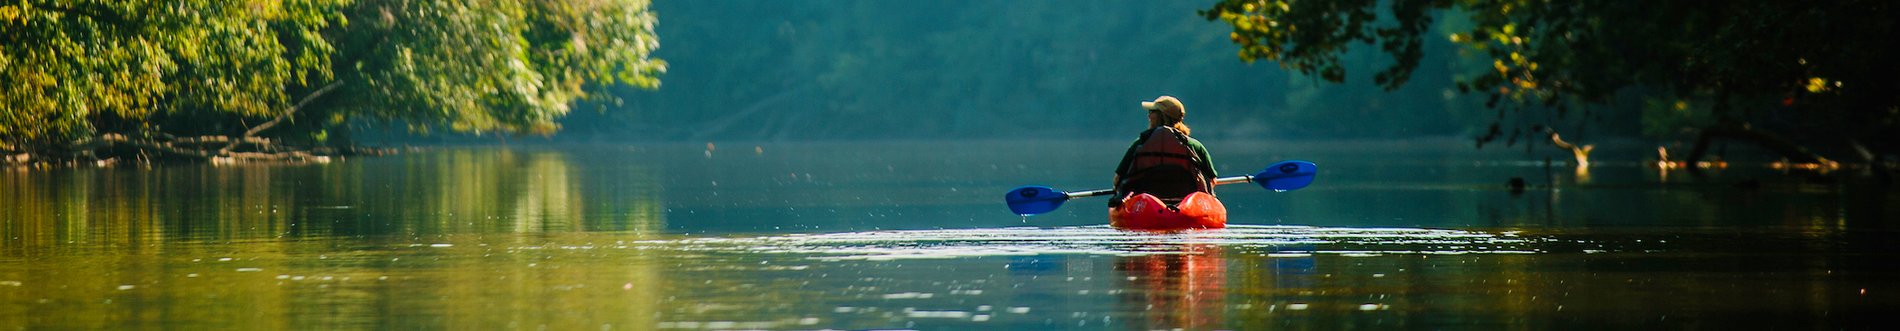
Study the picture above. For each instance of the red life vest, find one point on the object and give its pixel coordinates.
(1164, 166)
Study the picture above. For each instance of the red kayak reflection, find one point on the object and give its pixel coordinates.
(1185, 290)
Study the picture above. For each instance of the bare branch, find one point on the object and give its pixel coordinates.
(280, 118)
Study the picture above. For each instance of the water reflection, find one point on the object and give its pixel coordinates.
(881, 237)
(1186, 290)
(445, 192)
(359, 244)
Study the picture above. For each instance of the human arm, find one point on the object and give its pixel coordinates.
(1121, 168)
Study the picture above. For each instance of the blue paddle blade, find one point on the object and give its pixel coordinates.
(1286, 175)
(1031, 200)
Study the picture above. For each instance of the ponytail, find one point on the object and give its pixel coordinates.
(1182, 128)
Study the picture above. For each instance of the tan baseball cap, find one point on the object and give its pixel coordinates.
(1168, 106)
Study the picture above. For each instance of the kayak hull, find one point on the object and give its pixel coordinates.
(1142, 211)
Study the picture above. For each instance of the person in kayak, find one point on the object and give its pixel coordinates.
(1164, 161)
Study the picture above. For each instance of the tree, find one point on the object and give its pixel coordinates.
(82, 73)
(1783, 74)
(74, 67)
(494, 66)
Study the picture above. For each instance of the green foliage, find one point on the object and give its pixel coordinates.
(77, 65)
(247, 59)
(1814, 68)
(494, 66)
(63, 63)
(74, 69)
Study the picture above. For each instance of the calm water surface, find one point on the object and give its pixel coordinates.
(915, 235)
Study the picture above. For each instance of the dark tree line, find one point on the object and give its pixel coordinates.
(1806, 79)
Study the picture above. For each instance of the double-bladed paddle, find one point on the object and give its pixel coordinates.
(1280, 177)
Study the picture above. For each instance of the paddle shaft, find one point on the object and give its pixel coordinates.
(1217, 181)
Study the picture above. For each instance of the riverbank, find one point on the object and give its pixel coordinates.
(115, 149)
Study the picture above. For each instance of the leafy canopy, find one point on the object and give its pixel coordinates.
(494, 65)
(73, 69)
(71, 64)
(1814, 69)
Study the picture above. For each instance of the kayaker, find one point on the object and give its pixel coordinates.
(1164, 161)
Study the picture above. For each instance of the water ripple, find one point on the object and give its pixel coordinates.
(1102, 240)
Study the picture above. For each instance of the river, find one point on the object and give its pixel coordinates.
(915, 235)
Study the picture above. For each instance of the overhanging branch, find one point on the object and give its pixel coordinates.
(282, 117)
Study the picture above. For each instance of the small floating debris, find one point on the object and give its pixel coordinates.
(126, 287)
(1019, 310)
(1296, 306)
(249, 269)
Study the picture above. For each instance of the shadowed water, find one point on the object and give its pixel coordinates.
(915, 235)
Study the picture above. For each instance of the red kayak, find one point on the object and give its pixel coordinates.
(1146, 212)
